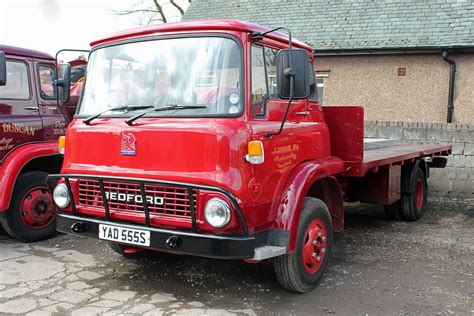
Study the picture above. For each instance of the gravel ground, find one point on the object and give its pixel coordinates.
(378, 267)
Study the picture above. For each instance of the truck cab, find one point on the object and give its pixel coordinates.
(30, 125)
(207, 138)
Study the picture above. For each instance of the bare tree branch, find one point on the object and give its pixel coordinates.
(159, 8)
(181, 11)
(150, 11)
(127, 12)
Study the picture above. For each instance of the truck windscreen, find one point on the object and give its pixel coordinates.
(203, 73)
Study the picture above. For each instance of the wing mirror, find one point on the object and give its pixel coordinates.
(298, 69)
(64, 82)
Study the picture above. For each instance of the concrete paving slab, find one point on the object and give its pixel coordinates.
(378, 267)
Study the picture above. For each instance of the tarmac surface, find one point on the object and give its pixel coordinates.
(379, 267)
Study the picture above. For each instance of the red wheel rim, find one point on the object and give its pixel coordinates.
(314, 246)
(420, 194)
(37, 208)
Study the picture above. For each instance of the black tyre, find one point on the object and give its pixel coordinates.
(413, 204)
(121, 250)
(302, 270)
(393, 211)
(32, 212)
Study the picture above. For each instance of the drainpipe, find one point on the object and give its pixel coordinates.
(452, 79)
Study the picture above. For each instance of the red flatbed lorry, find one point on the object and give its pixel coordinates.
(206, 138)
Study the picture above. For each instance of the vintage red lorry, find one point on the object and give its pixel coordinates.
(30, 125)
(206, 138)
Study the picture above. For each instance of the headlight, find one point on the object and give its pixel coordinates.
(217, 212)
(61, 195)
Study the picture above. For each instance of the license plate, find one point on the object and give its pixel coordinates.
(124, 235)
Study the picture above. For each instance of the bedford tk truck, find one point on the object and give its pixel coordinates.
(30, 125)
(206, 138)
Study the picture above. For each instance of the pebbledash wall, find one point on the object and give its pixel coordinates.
(455, 181)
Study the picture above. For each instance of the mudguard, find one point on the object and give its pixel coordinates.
(296, 188)
(13, 164)
(408, 172)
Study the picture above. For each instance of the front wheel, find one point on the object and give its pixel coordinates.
(302, 270)
(32, 213)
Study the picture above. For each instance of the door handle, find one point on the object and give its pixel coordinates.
(302, 113)
(32, 108)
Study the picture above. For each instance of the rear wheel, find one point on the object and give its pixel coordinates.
(32, 213)
(412, 204)
(302, 270)
(393, 211)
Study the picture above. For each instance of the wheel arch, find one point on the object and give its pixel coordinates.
(305, 180)
(50, 164)
(34, 157)
(328, 190)
(408, 171)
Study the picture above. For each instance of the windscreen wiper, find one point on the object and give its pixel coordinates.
(117, 108)
(167, 107)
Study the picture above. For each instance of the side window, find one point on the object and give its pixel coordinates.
(18, 85)
(320, 80)
(259, 83)
(312, 84)
(46, 78)
(270, 63)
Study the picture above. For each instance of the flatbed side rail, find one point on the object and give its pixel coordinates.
(52, 179)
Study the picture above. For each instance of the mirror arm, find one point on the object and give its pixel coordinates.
(289, 72)
(270, 135)
(59, 83)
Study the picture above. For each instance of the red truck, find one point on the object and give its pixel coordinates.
(206, 138)
(30, 125)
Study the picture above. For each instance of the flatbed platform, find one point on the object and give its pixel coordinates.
(398, 154)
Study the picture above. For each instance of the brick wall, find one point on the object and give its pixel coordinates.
(455, 181)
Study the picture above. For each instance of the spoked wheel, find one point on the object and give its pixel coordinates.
(302, 270)
(32, 213)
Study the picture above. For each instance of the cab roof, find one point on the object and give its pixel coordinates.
(18, 51)
(195, 26)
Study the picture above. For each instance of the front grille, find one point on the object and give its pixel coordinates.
(126, 197)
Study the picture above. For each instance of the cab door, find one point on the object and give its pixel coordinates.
(54, 123)
(20, 122)
(284, 151)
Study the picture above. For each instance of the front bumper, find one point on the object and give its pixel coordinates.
(212, 246)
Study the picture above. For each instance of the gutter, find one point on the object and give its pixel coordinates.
(393, 50)
(452, 79)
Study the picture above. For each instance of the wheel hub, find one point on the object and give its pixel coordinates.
(420, 194)
(37, 209)
(314, 246)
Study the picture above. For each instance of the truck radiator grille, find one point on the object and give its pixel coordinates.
(126, 197)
